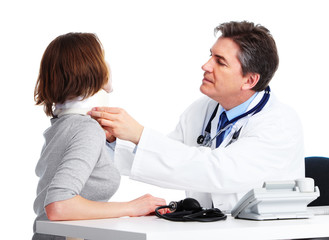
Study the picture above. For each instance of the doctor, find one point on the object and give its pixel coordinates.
(231, 140)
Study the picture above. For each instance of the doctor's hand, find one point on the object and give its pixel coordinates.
(118, 123)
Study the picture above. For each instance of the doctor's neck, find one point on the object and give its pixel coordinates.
(233, 101)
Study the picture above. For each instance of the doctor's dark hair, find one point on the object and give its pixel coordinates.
(258, 52)
(72, 66)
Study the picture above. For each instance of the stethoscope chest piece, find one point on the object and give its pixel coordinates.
(200, 139)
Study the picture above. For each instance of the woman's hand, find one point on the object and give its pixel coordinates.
(145, 205)
(117, 122)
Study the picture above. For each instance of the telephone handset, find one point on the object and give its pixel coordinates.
(277, 200)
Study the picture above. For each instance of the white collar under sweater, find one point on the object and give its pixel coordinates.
(79, 106)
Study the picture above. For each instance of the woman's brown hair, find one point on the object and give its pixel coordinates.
(72, 65)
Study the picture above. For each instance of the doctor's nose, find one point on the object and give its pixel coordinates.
(207, 67)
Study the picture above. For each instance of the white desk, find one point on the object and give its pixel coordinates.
(153, 228)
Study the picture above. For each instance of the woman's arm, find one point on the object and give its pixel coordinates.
(78, 208)
(63, 200)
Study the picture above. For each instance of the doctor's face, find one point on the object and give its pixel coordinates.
(223, 77)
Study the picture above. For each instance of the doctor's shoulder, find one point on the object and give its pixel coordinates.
(277, 113)
(286, 111)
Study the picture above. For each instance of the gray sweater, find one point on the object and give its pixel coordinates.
(74, 161)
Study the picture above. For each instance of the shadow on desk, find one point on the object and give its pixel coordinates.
(324, 238)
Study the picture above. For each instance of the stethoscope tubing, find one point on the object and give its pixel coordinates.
(209, 143)
(202, 139)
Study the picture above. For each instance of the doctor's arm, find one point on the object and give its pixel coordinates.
(266, 150)
(243, 165)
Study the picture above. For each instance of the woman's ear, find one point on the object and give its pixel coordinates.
(251, 81)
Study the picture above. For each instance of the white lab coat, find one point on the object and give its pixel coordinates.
(270, 147)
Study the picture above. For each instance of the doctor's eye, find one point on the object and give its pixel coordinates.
(220, 63)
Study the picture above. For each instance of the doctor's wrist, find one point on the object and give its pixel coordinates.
(138, 134)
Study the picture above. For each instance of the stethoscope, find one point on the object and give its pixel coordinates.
(206, 140)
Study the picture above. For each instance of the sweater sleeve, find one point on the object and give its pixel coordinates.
(81, 154)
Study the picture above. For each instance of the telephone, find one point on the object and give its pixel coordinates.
(277, 200)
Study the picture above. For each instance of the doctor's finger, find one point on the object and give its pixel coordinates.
(109, 135)
(102, 115)
(105, 123)
(108, 109)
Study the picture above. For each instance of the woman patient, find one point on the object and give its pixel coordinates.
(76, 170)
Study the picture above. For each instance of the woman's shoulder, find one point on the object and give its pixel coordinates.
(81, 124)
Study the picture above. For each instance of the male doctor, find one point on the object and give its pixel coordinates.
(259, 138)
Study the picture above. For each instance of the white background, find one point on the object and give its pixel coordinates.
(155, 49)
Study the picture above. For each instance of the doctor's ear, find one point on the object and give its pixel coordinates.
(251, 81)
